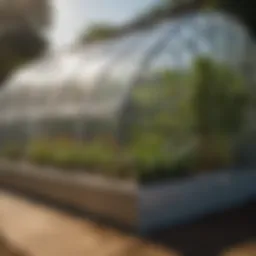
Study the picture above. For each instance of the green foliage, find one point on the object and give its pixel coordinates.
(68, 154)
(12, 151)
(99, 32)
(207, 104)
(169, 9)
(151, 161)
(209, 4)
(220, 98)
(162, 10)
(219, 101)
(243, 12)
(98, 155)
(39, 152)
(21, 39)
(17, 46)
(165, 110)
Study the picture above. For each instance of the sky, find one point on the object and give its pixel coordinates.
(71, 17)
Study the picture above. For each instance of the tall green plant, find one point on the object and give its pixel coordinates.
(219, 104)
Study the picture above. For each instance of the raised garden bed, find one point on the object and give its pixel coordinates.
(141, 207)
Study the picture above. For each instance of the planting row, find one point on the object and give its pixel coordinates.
(140, 162)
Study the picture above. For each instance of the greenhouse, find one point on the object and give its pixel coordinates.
(134, 95)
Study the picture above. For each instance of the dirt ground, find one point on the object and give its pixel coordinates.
(41, 231)
(44, 232)
(246, 249)
(7, 249)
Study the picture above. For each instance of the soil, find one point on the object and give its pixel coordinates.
(44, 231)
(7, 250)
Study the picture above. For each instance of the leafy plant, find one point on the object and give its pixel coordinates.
(39, 152)
(219, 105)
(12, 151)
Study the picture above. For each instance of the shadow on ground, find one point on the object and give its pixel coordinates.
(214, 234)
(7, 250)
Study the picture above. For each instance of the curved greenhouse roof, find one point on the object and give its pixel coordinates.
(96, 80)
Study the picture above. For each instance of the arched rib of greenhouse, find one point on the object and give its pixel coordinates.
(134, 100)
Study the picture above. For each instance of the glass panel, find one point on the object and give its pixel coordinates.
(55, 86)
(19, 91)
(161, 103)
(111, 90)
(76, 90)
(10, 102)
(110, 93)
(209, 34)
